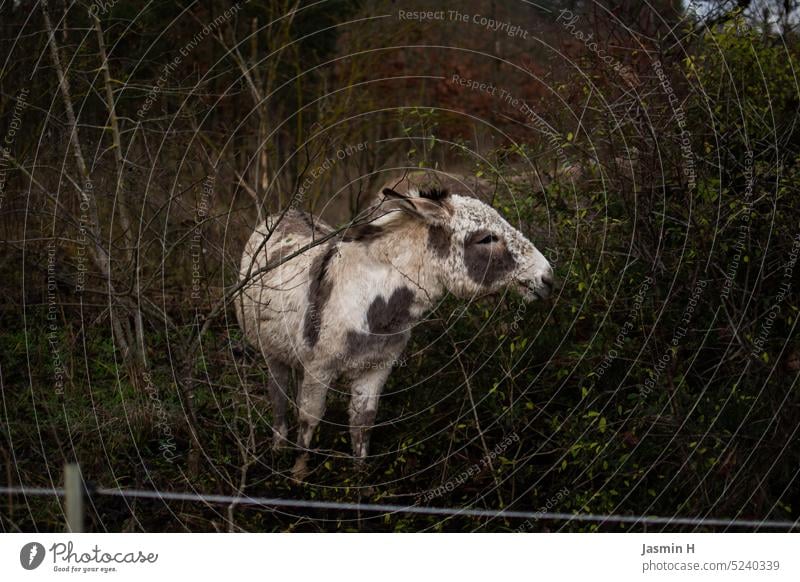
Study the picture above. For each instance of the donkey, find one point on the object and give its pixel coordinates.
(345, 307)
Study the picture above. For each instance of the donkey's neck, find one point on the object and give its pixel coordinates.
(408, 261)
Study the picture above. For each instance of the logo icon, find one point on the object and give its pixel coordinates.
(31, 555)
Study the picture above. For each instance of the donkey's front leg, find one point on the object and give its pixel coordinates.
(310, 409)
(365, 393)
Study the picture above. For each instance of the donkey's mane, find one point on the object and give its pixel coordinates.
(436, 194)
(371, 231)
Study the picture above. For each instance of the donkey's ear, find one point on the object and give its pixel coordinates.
(433, 211)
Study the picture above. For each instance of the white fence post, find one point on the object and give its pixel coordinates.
(74, 491)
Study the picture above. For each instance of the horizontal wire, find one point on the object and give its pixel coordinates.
(269, 502)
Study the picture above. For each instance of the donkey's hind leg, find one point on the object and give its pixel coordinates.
(278, 388)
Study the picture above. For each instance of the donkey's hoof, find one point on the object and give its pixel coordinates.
(300, 470)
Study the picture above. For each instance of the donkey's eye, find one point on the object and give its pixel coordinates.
(488, 239)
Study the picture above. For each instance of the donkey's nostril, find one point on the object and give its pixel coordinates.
(547, 284)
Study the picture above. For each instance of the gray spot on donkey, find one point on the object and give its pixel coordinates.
(346, 308)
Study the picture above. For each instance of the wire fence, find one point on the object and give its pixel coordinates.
(76, 489)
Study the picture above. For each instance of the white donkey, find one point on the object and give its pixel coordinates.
(345, 308)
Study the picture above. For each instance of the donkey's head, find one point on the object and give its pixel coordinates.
(473, 248)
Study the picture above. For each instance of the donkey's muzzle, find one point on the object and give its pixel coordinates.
(539, 284)
(546, 284)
